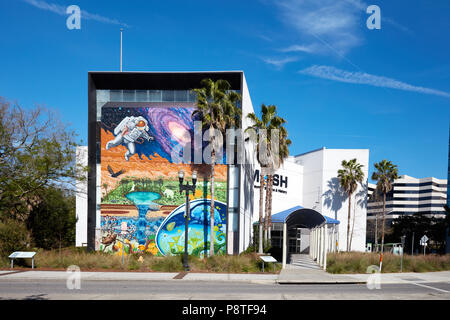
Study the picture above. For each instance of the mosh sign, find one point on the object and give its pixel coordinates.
(278, 180)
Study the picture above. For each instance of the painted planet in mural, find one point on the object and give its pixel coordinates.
(170, 236)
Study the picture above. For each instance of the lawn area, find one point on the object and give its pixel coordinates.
(98, 261)
(358, 262)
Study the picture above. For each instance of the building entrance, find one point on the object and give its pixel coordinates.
(294, 240)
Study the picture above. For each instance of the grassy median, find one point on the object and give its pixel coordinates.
(358, 262)
(98, 261)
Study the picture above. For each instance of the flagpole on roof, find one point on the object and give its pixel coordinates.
(121, 31)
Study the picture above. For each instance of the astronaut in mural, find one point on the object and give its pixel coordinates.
(129, 130)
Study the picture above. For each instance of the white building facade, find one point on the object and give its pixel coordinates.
(310, 180)
(410, 196)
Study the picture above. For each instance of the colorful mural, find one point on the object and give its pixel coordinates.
(142, 209)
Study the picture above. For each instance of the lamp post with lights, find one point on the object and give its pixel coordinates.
(186, 187)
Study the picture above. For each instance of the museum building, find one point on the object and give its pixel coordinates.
(130, 200)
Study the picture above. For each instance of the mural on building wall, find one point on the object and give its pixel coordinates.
(142, 209)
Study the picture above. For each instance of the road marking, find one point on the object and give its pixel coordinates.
(425, 286)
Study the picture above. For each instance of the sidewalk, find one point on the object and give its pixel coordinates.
(287, 276)
(138, 276)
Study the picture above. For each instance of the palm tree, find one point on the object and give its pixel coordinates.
(268, 162)
(259, 125)
(217, 109)
(385, 175)
(349, 177)
(283, 153)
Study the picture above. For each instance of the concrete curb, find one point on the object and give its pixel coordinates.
(305, 282)
(229, 277)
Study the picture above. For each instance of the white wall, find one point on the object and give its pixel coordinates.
(337, 208)
(312, 163)
(322, 192)
(81, 200)
(246, 209)
(283, 197)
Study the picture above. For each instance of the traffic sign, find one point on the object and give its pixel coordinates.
(423, 240)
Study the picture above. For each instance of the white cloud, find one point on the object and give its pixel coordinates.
(336, 23)
(300, 48)
(61, 10)
(279, 63)
(331, 73)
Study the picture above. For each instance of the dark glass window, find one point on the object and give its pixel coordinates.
(168, 95)
(181, 95)
(154, 95)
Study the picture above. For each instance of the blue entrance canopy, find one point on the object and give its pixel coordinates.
(299, 215)
(331, 220)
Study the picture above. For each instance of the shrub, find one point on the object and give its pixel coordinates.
(14, 236)
(358, 262)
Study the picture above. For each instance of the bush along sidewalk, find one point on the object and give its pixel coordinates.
(358, 262)
(99, 261)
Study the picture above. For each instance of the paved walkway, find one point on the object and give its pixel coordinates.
(303, 262)
(304, 270)
(291, 275)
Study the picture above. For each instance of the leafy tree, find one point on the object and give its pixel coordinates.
(14, 236)
(52, 221)
(349, 176)
(218, 110)
(434, 228)
(385, 174)
(36, 151)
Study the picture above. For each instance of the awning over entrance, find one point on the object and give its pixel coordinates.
(320, 240)
(308, 218)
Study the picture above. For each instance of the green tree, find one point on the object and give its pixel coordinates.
(218, 110)
(277, 160)
(419, 224)
(270, 156)
(36, 151)
(14, 236)
(349, 176)
(52, 221)
(385, 174)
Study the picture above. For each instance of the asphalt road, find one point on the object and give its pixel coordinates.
(202, 290)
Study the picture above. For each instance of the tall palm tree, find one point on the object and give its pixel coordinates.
(217, 108)
(349, 176)
(385, 174)
(268, 161)
(276, 162)
(258, 126)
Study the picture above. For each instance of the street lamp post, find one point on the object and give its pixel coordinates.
(186, 187)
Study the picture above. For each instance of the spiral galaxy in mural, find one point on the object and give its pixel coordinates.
(170, 126)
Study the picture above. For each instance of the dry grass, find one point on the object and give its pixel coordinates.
(358, 262)
(98, 261)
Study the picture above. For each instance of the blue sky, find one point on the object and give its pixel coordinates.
(339, 84)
